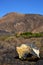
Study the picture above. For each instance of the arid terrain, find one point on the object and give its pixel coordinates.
(13, 23)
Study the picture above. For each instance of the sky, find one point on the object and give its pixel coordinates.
(21, 6)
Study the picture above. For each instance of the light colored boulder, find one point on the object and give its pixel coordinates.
(24, 50)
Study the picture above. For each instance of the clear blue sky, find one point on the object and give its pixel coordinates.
(21, 6)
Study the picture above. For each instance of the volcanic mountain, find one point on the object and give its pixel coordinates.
(15, 22)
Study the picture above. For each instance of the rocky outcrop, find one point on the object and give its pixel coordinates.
(25, 51)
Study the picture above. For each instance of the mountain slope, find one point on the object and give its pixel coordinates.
(14, 22)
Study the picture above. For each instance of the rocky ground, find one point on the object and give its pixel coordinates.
(9, 56)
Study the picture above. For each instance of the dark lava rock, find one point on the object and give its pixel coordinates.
(40, 62)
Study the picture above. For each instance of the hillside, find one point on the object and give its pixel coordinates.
(14, 22)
